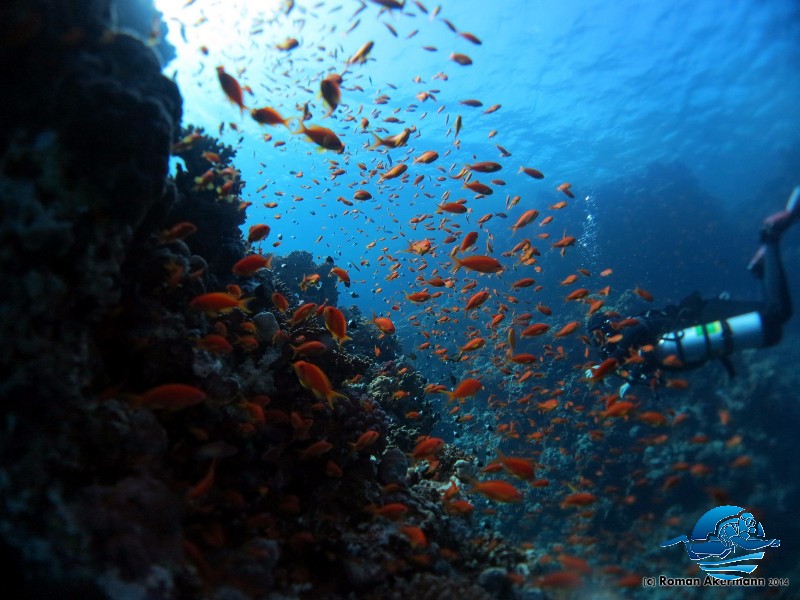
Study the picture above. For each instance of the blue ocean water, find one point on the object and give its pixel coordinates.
(593, 93)
(675, 122)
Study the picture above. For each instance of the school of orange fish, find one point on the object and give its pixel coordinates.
(475, 310)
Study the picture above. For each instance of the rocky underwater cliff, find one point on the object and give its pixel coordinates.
(153, 449)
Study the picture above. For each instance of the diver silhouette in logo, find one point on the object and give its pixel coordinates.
(720, 531)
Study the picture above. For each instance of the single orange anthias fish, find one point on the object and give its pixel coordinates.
(219, 302)
(314, 379)
(336, 324)
(322, 137)
(384, 324)
(268, 116)
(249, 265)
(465, 389)
(231, 87)
(481, 264)
(500, 491)
(170, 396)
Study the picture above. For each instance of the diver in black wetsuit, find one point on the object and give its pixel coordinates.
(686, 336)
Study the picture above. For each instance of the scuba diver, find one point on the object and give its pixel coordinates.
(678, 338)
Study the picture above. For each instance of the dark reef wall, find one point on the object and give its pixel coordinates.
(79, 176)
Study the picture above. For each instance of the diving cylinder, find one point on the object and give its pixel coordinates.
(700, 343)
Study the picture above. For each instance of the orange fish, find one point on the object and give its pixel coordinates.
(336, 323)
(456, 208)
(392, 511)
(429, 446)
(360, 57)
(547, 405)
(473, 344)
(383, 323)
(678, 384)
(395, 171)
(605, 368)
(219, 302)
(643, 294)
(500, 491)
(561, 579)
(461, 59)
(518, 467)
(567, 329)
(288, 44)
(170, 396)
(416, 536)
(564, 242)
(392, 141)
(231, 87)
(482, 264)
(578, 294)
(653, 418)
(343, 275)
(214, 343)
(421, 247)
(523, 358)
(316, 449)
(569, 279)
(479, 188)
(579, 499)
(418, 297)
(280, 302)
(365, 440)
(309, 281)
(535, 173)
(314, 379)
(465, 389)
(619, 409)
(535, 329)
(565, 188)
(302, 313)
(523, 283)
(204, 485)
(268, 116)
(427, 157)
(257, 232)
(331, 92)
(311, 348)
(469, 240)
(249, 265)
(178, 231)
(595, 306)
(322, 137)
(527, 217)
(485, 167)
(476, 300)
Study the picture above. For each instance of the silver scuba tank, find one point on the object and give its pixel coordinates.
(700, 343)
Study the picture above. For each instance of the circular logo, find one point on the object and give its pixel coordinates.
(726, 542)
